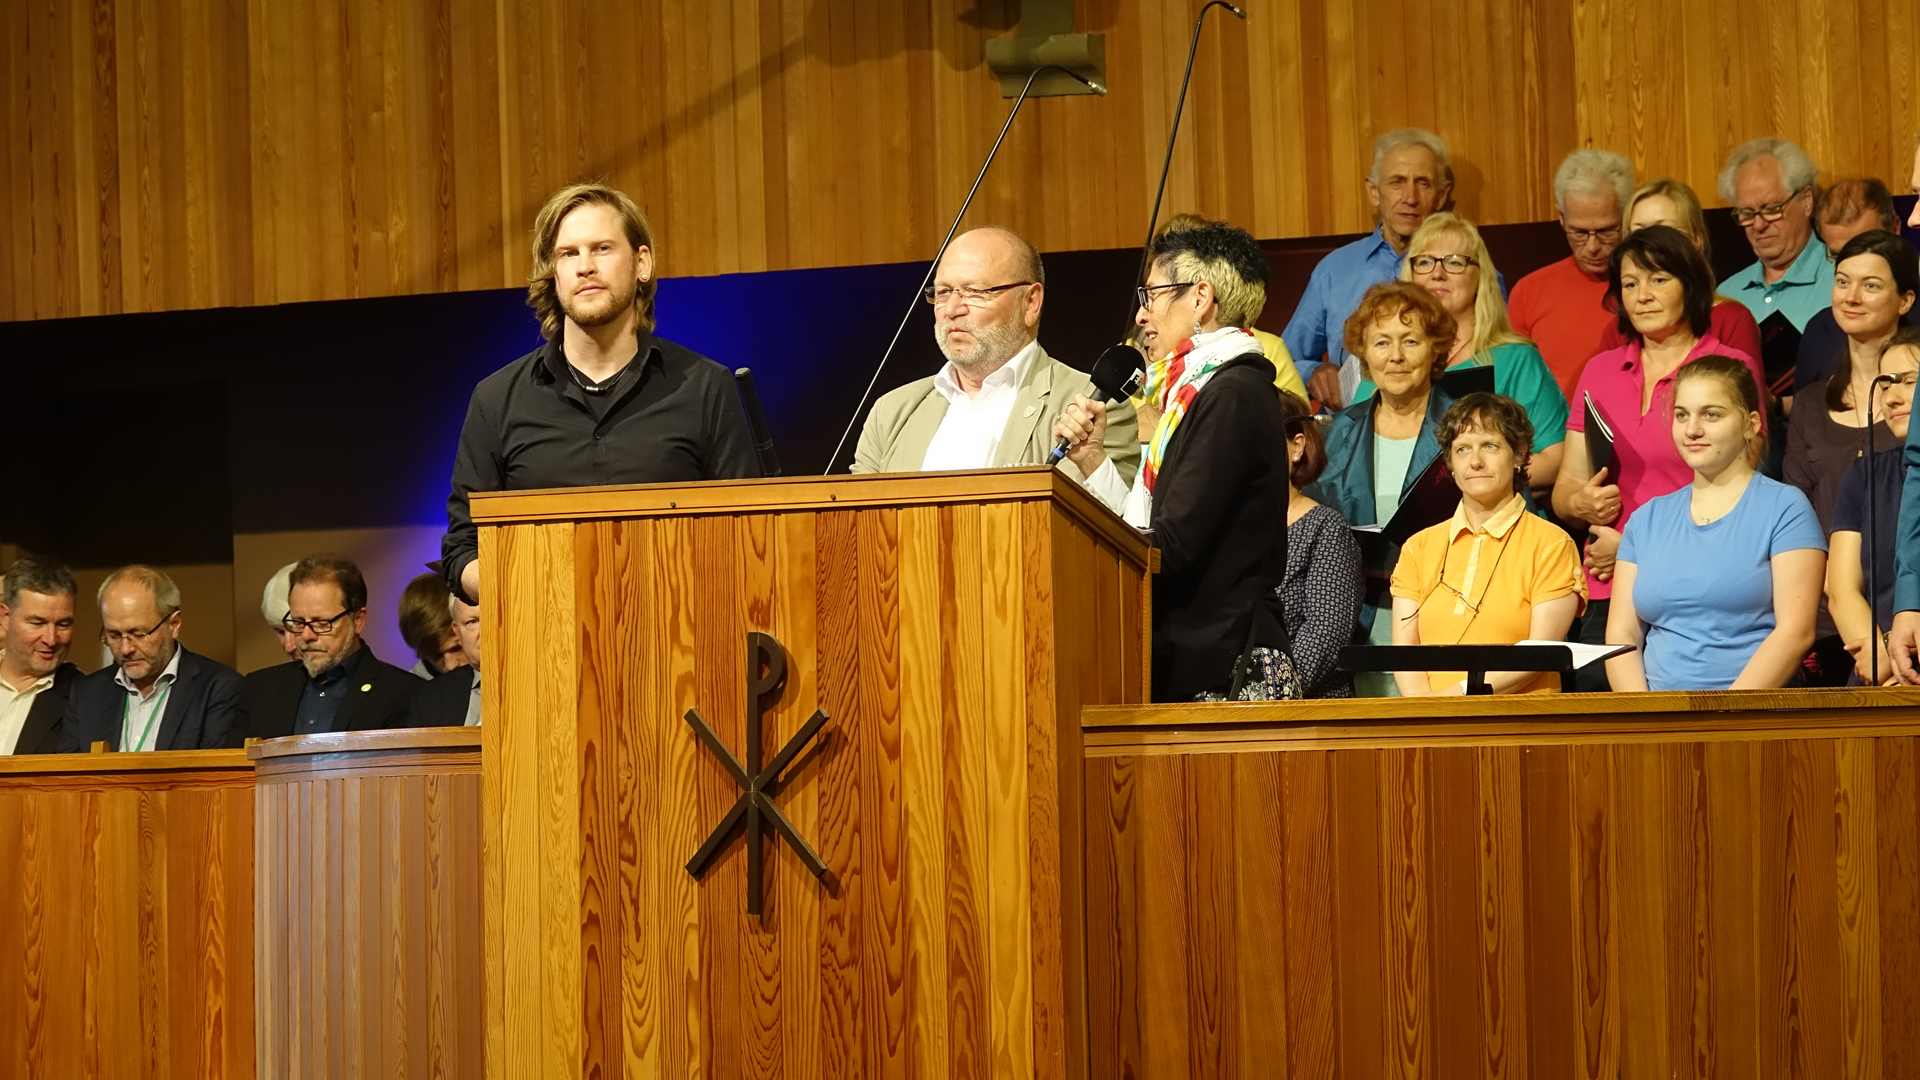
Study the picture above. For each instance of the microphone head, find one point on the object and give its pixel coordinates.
(1119, 372)
(1096, 86)
(1237, 11)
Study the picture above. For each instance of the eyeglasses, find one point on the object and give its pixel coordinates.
(940, 295)
(1769, 213)
(139, 637)
(322, 627)
(1144, 293)
(1455, 264)
(1583, 237)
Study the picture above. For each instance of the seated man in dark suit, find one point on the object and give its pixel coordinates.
(453, 699)
(337, 684)
(36, 629)
(156, 695)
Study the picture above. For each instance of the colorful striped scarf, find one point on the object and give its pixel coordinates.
(1173, 383)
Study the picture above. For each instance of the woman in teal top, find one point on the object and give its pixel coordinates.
(1447, 258)
(1378, 448)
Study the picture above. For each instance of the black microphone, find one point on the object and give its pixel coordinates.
(1179, 105)
(757, 421)
(912, 305)
(1116, 375)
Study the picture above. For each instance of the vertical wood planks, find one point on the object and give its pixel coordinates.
(203, 154)
(127, 946)
(945, 797)
(1585, 908)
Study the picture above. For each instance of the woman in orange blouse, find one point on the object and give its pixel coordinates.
(1495, 574)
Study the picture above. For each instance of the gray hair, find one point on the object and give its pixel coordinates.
(1401, 138)
(1593, 172)
(274, 605)
(44, 576)
(1796, 167)
(166, 595)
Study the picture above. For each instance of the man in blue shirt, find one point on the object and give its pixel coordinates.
(1410, 180)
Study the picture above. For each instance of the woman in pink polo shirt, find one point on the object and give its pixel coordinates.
(1662, 289)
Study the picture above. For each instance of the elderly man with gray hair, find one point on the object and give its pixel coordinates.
(1770, 183)
(157, 695)
(1561, 307)
(1411, 178)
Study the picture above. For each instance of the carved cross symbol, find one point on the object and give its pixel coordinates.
(757, 784)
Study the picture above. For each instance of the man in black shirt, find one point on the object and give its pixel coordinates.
(603, 401)
(336, 683)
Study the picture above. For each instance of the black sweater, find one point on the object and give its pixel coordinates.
(1220, 522)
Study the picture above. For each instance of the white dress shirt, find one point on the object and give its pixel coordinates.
(141, 715)
(970, 432)
(14, 707)
(473, 701)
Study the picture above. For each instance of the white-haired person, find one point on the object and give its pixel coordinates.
(1212, 490)
(1410, 179)
(274, 608)
(1448, 258)
(1770, 183)
(1561, 306)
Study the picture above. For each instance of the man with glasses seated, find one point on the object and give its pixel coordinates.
(1770, 183)
(996, 400)
(336, 683)
(157, 695)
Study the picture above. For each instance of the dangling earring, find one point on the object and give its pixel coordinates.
(1196, 328)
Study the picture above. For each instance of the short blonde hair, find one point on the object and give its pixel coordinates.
(1684, 200)
(1490, 324)
(542, 296)
(1228, 259)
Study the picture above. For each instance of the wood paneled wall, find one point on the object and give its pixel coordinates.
(1654, 904)
(165, 154)
(126, 916)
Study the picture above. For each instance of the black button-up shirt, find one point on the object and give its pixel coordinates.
(320, 698)
(674, 418)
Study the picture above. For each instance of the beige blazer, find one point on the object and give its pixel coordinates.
(903, 422)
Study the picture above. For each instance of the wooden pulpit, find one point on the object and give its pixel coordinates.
(950, 627)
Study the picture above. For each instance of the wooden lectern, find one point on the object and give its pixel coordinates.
(951, 626)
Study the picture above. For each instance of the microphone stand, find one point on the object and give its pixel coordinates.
(1873, 540)
(912, 305)
(1179, 106)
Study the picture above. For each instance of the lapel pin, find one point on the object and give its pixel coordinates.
(365, 686)
(1031, 409)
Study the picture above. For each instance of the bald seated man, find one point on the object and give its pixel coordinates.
(996, 399)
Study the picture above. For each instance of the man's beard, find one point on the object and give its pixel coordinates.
(993, 345)
(317, 662)
(615, 304)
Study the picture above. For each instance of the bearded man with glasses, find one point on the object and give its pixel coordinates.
(335, 683)
(995, 401)
(157, 695)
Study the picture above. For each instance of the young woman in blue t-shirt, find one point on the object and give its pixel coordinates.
(1717, 584)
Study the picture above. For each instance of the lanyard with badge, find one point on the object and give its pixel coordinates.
(126, 718)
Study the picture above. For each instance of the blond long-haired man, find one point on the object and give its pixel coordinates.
(604, 401)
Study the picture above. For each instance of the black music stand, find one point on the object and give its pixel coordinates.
(1475, 660)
